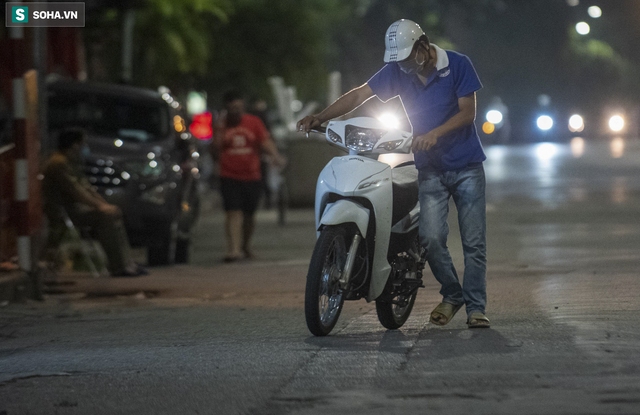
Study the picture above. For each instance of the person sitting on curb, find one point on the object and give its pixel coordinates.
(66, 188)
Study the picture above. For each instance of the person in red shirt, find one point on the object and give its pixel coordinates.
(238, 142)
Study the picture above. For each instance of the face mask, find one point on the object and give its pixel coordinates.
(413, 66)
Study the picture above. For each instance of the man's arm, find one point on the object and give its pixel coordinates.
(343, 105)
(218, 133)
(464, 117)
(74, 190)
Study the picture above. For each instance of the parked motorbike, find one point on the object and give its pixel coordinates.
(367, 228)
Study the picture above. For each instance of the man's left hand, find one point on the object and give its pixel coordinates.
(424, 141)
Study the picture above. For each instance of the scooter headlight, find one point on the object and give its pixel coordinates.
(362, 139)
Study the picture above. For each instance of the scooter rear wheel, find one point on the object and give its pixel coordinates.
(323, 296)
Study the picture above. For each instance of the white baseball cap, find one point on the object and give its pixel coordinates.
(399, 40)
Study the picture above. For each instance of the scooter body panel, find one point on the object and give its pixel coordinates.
(345, 211)
(360, 177)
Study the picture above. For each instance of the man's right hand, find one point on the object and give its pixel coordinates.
(309, 122)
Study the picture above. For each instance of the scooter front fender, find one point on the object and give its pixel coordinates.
(345, 211)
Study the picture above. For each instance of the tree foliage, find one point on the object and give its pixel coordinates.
(520, 48)
(263, 38)
(172, 37)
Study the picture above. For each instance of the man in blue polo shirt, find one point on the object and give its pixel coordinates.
(437, 88)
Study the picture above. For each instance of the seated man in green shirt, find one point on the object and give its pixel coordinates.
(65, 188)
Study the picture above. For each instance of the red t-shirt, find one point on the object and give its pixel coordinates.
(241, 148)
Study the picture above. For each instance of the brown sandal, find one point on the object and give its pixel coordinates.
(443, 313)
(477, 320)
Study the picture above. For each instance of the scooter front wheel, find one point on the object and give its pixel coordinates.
(393, 314)
(323, 296)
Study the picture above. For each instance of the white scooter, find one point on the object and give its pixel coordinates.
(367, 223)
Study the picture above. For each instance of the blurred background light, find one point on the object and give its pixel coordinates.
(196, 102)
(296, 105)
(494, 117)
(617, 147)
(544, 100)
(201, 126)
(389, 121)
(595, 12)
(488, 128)
(616, 123)
(546, 151)
(577, 147)
(573, 3)
(576, 123)
(544, 122)
(583, 28)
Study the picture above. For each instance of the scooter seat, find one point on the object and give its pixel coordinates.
(405, 190)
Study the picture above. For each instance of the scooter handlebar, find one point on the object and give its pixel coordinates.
(319, 130)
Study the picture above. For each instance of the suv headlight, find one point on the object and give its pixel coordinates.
(362, 139)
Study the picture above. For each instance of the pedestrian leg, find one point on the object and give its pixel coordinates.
(233, 228)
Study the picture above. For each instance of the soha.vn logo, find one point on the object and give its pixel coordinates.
(19, 14)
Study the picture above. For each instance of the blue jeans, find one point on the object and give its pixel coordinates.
(467, 187)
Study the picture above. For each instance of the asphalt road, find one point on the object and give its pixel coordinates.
(211, 338)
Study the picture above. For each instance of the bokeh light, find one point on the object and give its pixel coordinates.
(595, 12)
(576, 123)
(616, 123)
(494, 117)
(544, 100)
(488, 128)
(544, 122)
(583, 28)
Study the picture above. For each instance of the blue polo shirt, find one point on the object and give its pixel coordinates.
(431, 105)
